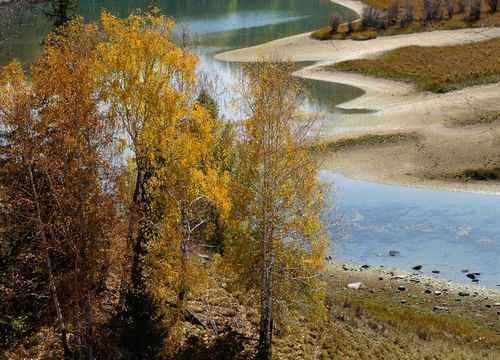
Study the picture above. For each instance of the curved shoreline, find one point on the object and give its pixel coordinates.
(396, 107)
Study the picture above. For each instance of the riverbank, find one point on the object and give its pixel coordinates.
(375, 314)
(444, 149)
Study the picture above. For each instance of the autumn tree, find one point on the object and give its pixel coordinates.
(277, 246)
(58, 211)
(149, 88)
(186, 186)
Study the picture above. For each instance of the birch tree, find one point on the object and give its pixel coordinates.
(279, 246)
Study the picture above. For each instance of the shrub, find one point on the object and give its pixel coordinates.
(450, 8)
(322, 34)
(334, 23)
(461, 6)
(393, 13)
(474, 13)
(373, 18)
(408, 15)
(364, 35)
(493, 5)
(432, 11)
(350, 27)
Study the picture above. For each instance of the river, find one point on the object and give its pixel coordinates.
(441, 230)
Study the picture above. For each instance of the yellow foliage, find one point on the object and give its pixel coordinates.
(275, 219)
(148, 81)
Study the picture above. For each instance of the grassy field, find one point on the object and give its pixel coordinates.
(436, 69)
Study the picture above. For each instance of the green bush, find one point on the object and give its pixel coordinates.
(364, 35)
(322, 34)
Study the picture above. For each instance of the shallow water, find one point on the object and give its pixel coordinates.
(441, 230)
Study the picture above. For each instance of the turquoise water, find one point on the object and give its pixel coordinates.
(441, 230)
(215, 26)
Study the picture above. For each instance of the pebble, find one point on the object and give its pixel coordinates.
(366, 266)
(427, 291)
(436, 271)
(401, 288)
(354, 286)
(465, 271)
(471, 276)
(418, 267)
(394, 253)
(475, 280)
(440, 308)
(437, 292)
(403, 302)
(463, 293)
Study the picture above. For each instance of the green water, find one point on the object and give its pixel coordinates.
(219, 23)
(215, 25)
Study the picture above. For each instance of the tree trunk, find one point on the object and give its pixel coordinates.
(88, 330)
(52, 283)
(266, 301)
(132, 269)
(266, 317)
(55, 299)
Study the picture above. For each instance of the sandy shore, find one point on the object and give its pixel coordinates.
(398, 107)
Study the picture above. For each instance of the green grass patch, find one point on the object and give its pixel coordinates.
(366, 140)
(364, 35)
(424, 322)
(437, 69)
(492, 174)
(485, 118)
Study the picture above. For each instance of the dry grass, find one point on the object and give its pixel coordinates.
(343, 32)
(457, 21)
(436, 69)
(419, 5)
(366, 140)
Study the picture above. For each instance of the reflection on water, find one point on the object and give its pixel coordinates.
(216, 26)
(442, 230)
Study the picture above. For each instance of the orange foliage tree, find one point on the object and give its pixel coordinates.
(59, 209)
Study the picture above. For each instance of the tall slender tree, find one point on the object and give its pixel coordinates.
(278, 248)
